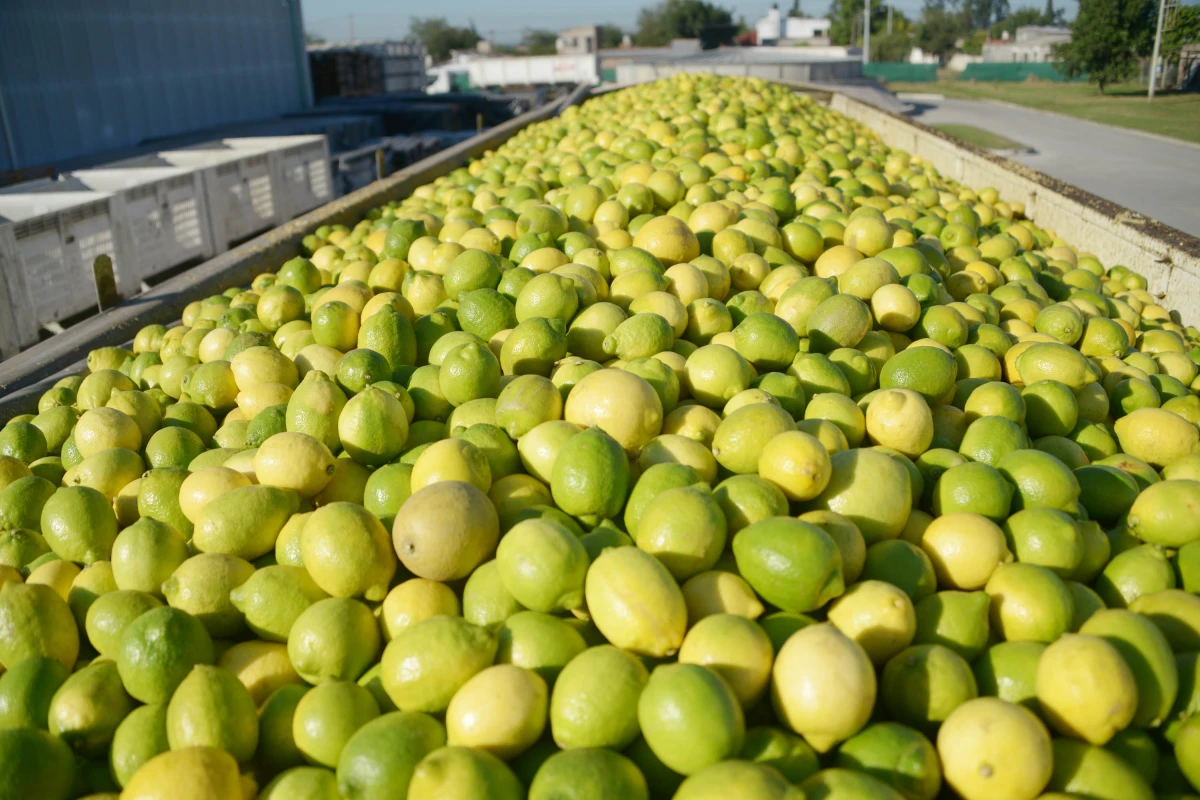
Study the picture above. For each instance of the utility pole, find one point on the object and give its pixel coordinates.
(350, 25)
(1162, 5)
(889, 19)
(867, 31)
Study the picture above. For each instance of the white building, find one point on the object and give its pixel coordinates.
(1032, 44)
(775, 28)
(580, 40)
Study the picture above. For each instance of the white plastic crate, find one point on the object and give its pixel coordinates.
(58, 233)
(166, 214)
(239, 189)
(301, 170)
(18, 328)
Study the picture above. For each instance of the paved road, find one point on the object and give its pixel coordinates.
(1156, 177)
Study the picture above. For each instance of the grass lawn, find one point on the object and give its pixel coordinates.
(979, 137)
(1124, 105)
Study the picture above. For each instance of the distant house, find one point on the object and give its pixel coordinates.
(580, 40)
(776, 29)
(1032, 44)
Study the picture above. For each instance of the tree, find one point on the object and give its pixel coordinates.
(1017, 19)
(440, 37)
(538, 42)
(890, 47)
(610, 37)
(1107, 37)
(314, 38)
(938, 31)
(846, 20)
(684, 19)
(979, 14)
(1185, 31)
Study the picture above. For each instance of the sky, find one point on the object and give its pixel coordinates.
(503, 20)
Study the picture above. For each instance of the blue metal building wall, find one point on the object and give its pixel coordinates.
(84, 76)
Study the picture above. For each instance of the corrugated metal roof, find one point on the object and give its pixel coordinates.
(79, 76)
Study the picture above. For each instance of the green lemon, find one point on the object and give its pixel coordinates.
(956, 620)
(928, 371)
(141, 736)
(590, 479)
(739, 777)
(1083, 769)
(922, 685)
(973, 487)
(690, 717)
(145, 555)
(1140, 570)
(79, 524)
(897, 755)
(1045, 537)
(543, 565)
(594, 702)
(212, 708)
(1148, 654)
(685, 529)
(111, 613)
(840, 321)
(36, 764)
(40, 624)
(379, 760)
(783, 750)
(326, 718)
(26, 691)
(792, 564)
(463, 772)
(158, 650)
(425, 664)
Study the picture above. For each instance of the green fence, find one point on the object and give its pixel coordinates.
(907, 73)
(1007, 72)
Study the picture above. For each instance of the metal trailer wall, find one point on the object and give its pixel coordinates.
(84, 76)
(832, 70)
(1169, 258)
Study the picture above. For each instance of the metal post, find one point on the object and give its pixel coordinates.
(1162, 5)
(866, 31)
(350, 24)
(889, 19)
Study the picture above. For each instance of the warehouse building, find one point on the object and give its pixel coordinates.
(81, 77)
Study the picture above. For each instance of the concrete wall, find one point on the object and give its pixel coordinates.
(1168, 258)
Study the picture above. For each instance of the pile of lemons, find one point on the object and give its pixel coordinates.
(692, 444)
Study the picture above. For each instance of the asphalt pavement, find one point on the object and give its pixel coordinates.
(1155, 176)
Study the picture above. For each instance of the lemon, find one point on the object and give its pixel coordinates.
(635, 602)
(88, 707)
(40, 624)
(690, 717)
(1148, 654)
(381, 756)
(1085, 688)
(444, 531)
(244, 522)
(990, 748)
(273, 598)
(742, 436)
(896, 755)
(334, 638)
(822, 686)
(735, 648)
(685, 529)
(463, 772)
(879, 617)
(871, 490)
(619, 403)
(426, 664)
(543, 565)
(347, 552)
(327, 716)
